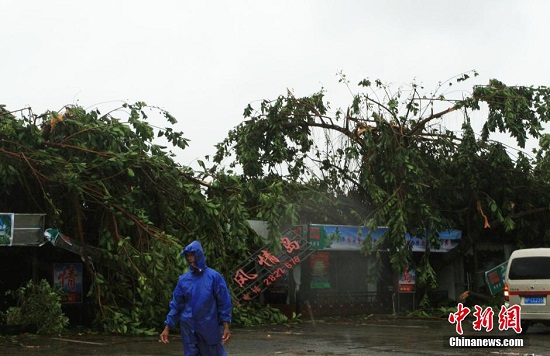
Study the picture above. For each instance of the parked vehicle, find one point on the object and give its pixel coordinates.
(527, 284)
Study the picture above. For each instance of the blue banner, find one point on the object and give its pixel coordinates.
(346, 238)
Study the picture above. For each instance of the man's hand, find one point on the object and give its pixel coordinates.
(164, 335)
(226, 333)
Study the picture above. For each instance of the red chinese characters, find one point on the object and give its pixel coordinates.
(508, 318)
(267, 259)
(265, 268)
(255, 290)
(289, 246)
(484, 318)
(457, 318)
(67, 278)
(241, 277)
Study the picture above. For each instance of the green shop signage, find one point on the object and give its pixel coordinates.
(495, 278)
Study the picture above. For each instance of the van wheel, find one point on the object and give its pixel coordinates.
(525, 326)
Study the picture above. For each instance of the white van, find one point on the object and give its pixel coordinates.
(527, 284)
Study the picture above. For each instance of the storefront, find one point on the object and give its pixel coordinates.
(338, 278)
(26, 254)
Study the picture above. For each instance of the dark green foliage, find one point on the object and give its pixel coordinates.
(256, 314)
(385, 160)
(38, 305)
(390, 152)
(104, 182)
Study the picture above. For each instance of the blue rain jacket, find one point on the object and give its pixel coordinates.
(201, 302)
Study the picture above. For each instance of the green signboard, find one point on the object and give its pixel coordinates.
(495, 278)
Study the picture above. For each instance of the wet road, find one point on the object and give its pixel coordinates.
(360, 336)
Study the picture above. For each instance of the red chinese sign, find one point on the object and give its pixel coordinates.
(407, 281)
(264, 267)
(68, 277)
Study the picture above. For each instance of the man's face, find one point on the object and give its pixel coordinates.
(190, 257)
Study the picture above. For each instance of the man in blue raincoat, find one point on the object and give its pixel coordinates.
(202, 305)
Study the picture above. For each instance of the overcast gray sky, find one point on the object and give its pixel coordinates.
(204, 61)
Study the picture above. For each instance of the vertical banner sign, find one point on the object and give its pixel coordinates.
(319, 265)
(407, 281)
(68, 277)
(265, 268)
(6, 228)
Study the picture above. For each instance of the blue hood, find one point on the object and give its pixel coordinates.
(196, 248)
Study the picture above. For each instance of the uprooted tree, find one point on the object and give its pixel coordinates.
(104, 182)
(392, 152)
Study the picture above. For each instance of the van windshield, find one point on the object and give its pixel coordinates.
(530, 268)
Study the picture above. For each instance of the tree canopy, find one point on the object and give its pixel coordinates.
(390, 150)
(386, 159)
(105, 182)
